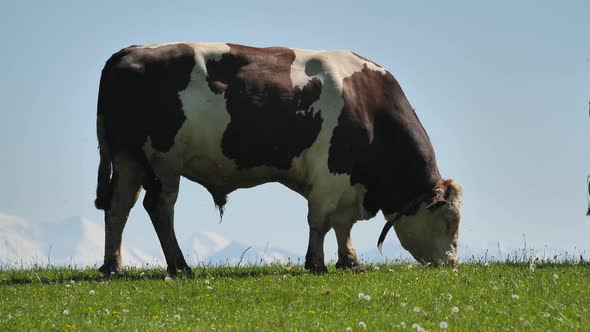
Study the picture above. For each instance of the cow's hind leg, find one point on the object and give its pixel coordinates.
(162, 187)
(126, 183)
(318, 227)
(347, 258)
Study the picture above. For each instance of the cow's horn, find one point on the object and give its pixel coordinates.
(386, 229)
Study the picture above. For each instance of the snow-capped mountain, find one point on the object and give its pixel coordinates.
(78, 241)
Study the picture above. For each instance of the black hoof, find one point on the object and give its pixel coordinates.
(316, 268)
(180, 271)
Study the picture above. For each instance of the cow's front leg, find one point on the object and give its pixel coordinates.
(126, 182)
(347, 258)
(318, 227)
(160, 198)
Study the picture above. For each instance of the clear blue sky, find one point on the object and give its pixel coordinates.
(502, 88)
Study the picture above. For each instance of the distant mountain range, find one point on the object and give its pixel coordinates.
(78, 241)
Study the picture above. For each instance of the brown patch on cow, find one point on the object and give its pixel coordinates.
(363, 58)
(381, 144)
(138, 98)
(272, 121)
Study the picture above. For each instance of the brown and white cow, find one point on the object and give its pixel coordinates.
(330, 125)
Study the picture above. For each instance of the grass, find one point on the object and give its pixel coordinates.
(469, 297)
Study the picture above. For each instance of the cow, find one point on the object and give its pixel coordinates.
(332, 126)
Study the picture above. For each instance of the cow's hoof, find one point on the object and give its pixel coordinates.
(316, 268)
(110, 269)
(180, 271)
(349, 264)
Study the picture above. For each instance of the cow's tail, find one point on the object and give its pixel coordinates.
(588, 180)
(105, 167)
(103, 188)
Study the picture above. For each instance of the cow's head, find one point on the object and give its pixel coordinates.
(429, 227)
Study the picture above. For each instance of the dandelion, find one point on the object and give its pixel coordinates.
(450, 296)
(68, 285)
(367, 298)
(177, 316)
(362, 325)
(66, 312)
(167, 278)
(455, 271)
(516, 297)
(403, 304)
(376, 268)
(142, 274)
(555, 276)
(403, 325)
(92, 292)
(207, 282)
(546, 315)
(443, 325)
(361, 296)
(486, 264)
(410, 266)
(72, 282)
(417, 309)
(532, 267)
(209, 287)
(455, 310)
(349, 329)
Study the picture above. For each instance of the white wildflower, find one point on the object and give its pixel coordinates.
(403, 325)
(367, 298)
(486, 264)
(532, 267)
(66, 312)
(72, 282)
(142, 274)
(516, 297)
(450, 296)
(546, 315)
(443, 325)
(455, 271)
(362, 325)
(209, 287)
(555, 276)
(177, 316)
(417, 309)
(455, 310)
(361, 296)
(92, 292)
(349, 329)
(207, 282)
(167, 278)
(376, 268)
(410, 266)
(68, 285)
(403, 304)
